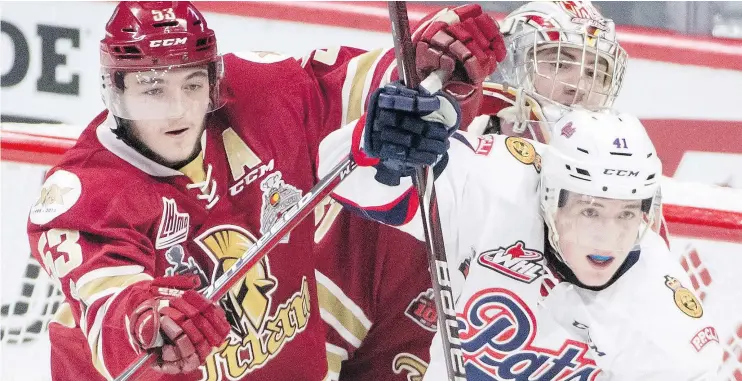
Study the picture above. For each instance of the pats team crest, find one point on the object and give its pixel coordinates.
(497, 333)
(524, 152)
(515, 261)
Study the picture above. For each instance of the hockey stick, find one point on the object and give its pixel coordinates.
(287, 222)
(424, 179)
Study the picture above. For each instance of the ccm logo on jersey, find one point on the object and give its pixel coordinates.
(703, 337)
(515, 261)
(168, 42)
(498, 330)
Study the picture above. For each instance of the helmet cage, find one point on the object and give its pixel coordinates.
(601, 64)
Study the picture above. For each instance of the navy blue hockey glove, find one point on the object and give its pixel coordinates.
(407, 129)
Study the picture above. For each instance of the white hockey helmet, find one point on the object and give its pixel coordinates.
(565, 52)
(600, 157)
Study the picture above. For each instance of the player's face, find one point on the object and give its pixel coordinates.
(176, 103)
(596, 235)
(571, 77)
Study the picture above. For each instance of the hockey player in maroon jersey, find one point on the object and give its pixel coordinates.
(196, 156)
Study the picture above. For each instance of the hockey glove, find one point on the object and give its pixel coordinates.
(465, 43)
(408, 128)
(178, 324)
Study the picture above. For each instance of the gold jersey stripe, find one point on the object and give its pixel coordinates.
(64, 316)
(341, 313)
(334, 364)
(365, 64)
(87, 293)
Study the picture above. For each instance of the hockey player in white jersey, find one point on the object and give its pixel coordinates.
(554, 271)
(559, 54)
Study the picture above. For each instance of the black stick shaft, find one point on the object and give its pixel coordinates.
(441, 280)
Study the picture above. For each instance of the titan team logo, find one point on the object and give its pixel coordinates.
(260, 328)
(498, 330)
(413, 366)
(174, 225)
(515, 261)
(422, 311)
(278, 197)
(684, 298)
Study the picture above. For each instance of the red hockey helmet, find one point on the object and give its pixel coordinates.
(154, 39)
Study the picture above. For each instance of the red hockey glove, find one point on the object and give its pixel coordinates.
(465, 43)
(178, 324)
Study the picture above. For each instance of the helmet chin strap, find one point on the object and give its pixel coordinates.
(516, 114)
(519, 115)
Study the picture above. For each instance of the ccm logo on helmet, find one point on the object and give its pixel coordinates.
(620, 172)
(167, 42)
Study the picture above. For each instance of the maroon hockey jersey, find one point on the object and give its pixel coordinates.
(375, 296)
(107, 218)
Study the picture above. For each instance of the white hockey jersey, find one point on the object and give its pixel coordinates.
(518, 321)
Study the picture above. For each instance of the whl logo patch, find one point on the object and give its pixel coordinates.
(515, 261)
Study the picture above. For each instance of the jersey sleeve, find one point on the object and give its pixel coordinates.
(339, 83)
(456, 177)
(322, 91)
(374, 292)
(89, 239)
